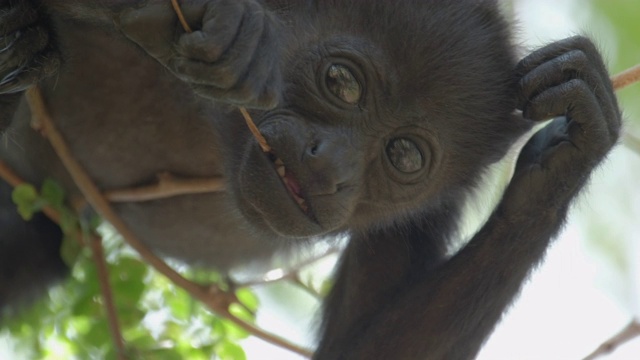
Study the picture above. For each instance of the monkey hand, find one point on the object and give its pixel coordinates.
(231, 56)
(26, 54)
(568, 81)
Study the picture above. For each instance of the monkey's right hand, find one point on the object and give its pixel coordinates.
(26, 54)
(231, 56)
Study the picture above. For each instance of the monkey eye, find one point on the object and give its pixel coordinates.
(405, 155)
(343, 84)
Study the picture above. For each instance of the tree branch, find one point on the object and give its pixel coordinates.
(167, 186)
(97, 252)
(630, 332)
(14, 180)
(631, 141)
(292, 275)
(209, 295)
(626, 78)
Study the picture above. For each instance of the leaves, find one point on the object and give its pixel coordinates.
(26, 197)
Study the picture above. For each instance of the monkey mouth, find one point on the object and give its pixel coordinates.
(290, 182)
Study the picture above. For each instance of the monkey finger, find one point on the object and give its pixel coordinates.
(220, 25)
(542, 55)
(226, 74)
(231, 68)
(589, 130)
(574, 64)
(223, 76)
(558, 48)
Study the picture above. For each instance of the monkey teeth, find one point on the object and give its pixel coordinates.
(280, 167)
(289, 182)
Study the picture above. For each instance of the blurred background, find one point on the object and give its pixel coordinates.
(587, 289)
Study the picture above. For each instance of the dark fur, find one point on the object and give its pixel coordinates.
(132, 103)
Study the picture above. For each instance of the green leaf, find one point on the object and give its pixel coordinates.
(248, 298)
(52, 193)
(70, 250)
(68, 221)
(160, 354)
(228, 350)
(23, 194)
(233, 331)
(242, 313)
(25, 197)
(98, 334)
(95, 222)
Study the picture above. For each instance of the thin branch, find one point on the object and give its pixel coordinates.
(97, 252)
(631, 141)
(245, 114)
(14, 180)
(206, 294)
(282, 275)
(183, 21)
(626, 78)
(167, 186)
(254, 130)
(630, 332)
(296, 280)
(9, 175)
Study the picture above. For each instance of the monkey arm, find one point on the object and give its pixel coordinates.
(447, 311)
(400, 306)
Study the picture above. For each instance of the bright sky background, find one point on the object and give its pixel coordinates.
(578, 297)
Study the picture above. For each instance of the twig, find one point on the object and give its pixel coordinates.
(183, 21)
(14, 180)
(631, 141)
(9, 175)
(167, 186)
(245, 114)
(254, 130)
(296, 280)
(208, 295)
(291, 274)
(97, 252)
(626, 78)
(631, 331)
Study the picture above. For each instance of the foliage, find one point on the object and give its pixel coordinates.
(158, 320)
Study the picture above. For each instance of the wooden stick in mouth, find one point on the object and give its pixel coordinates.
(247, 118)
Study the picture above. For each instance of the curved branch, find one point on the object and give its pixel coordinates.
(97, 252)
(14, 180)
(245, 114)
(630, 332)
(94, 197)
(167, 186)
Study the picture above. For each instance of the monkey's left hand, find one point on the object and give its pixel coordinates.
(568, 81)
(231, 56)
(26, 53)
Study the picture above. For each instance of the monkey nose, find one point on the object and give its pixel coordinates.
(329, 165)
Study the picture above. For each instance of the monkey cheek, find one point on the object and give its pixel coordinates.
(265, 201)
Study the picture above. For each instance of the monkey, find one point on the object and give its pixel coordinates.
(381, 116)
